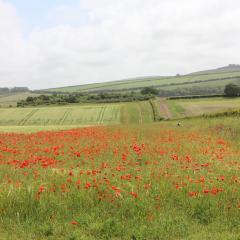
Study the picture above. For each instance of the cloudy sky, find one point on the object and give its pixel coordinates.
(51, 43)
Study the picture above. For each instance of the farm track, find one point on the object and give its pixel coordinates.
(164, 109)
(65, 115)
(101, 115)
(140, 113)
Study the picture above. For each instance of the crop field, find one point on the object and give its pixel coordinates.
(154, 181)
(194, 107)
(74, 115)
(12, 99)
(210, 84)
(161, 81)
(62, 117)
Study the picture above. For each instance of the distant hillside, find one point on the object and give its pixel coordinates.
(229, 68)
(201, 83)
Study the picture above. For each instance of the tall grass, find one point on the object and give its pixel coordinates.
(125, 182)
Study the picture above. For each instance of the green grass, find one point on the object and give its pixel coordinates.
(176, 109)
(195, 107)
(32, 129)
(70, 115)
(207, 84)
(137, 113)
(61, 117)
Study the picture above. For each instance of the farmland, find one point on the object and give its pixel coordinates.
(77, 115)
(194, 107)
(84, 115)
(153, 181)
(111, 171)
(219, 80)
(7, 100)
(62, 117)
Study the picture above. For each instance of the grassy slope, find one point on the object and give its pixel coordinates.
(229, 68)
(129, 84)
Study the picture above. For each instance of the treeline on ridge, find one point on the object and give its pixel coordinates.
(6, 90)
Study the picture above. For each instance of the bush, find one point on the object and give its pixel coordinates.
(232, 90)
(149, 90)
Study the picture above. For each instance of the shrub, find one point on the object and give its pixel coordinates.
(232, 90)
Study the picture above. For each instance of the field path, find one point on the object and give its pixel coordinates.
(165, 111)
(65, 115)
(140, 113)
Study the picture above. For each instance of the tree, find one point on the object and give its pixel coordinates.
(232, 90)
(149, 90)
(29, 99)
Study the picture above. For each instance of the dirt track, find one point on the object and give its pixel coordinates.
(165, 111)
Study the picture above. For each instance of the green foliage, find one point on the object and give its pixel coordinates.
(232, 90)
(156, 111)
(149, 90)
(229, 113)
(62, 99)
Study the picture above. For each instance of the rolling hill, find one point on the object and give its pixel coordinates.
(229, 68)
(204, 83)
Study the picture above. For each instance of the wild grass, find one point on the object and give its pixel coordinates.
(124, 182)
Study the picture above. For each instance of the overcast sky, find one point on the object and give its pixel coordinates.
(52, 43)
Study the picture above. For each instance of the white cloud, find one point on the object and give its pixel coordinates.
(101, 40)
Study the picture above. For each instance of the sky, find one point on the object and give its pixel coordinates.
(54, 43)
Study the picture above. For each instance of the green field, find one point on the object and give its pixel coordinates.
(7, 100)
(62, 117)
(161, 82)
(74, 115)
(195, 107)
(108, 171)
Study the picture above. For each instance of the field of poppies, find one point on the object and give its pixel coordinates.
(153, 181)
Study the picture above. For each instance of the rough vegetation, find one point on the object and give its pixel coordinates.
(63, 99)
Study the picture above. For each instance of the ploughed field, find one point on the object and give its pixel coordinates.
(154, 181)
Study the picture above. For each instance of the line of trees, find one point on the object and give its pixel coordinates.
(5, 90)
(62, 99)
